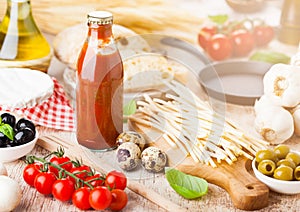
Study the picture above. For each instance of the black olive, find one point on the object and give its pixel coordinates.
(25, 123)
(23, 136)
(8, 119)
(3, 140)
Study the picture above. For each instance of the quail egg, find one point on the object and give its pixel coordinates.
(128, 155)
(153, 159)
(131, 136)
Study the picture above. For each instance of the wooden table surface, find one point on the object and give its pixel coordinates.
(217, 199)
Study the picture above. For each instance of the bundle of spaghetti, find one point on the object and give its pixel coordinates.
(190, 124)
(154, 16)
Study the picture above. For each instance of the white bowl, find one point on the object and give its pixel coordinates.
(9, 154)
(280, 186)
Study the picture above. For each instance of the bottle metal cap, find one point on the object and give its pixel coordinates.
(100, 17)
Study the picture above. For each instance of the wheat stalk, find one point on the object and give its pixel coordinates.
(154, 16)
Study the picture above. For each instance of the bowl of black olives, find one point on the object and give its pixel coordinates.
(278, 168)
(18, 137)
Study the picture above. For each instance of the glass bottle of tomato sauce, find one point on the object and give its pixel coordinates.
(99, 89)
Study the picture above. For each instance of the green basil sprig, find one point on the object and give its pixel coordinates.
(188, 186)
(129, 108)
(7, 130)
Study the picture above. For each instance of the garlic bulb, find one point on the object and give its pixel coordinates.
(275, 124)
(296, 117)
(266, 101)
(283, 83)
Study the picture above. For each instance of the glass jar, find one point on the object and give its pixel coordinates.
(99, 88)
(289, 32)
(21, 42)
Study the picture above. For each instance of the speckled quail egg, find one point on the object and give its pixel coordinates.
(131, 136)
(128, 155)
(154, 159)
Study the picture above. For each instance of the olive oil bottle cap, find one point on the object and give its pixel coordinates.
(100, 17)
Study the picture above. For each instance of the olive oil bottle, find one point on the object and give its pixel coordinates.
(20, 38)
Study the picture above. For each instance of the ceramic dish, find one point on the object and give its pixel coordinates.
(280, 186)
(238, 82)
(9, 154)
(246, 6)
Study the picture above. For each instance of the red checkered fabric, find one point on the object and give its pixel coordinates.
(55, 112)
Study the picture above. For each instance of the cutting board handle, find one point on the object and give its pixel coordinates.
(246, 192)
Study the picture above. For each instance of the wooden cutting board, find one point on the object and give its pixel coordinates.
(246, 192)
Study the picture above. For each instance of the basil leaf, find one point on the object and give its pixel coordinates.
(218, 19)
(188, 186)
(7, 130)
(129, 108)
(270, 57)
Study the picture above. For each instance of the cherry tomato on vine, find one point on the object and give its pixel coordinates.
(81, 172)
(30, 172)
(243, 42)
(219, 47)
(80, 198)
(263, 34)
(119, 199)
(95, 180)
(43, 182)
(116, 180)
(63, 189)
(67, 164)
(100, 198)
(205, 35)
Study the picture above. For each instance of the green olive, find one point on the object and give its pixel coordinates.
(265, 154)
(281, 151)
(295, 157)
(266, 167)
(286, 162)
(283, 173)
(297, 173)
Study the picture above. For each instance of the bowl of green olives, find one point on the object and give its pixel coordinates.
(18, 137)
(278, 168)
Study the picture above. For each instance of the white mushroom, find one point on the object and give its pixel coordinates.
(283, 82)
(10, 194)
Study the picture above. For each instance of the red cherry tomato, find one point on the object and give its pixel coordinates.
(205, 34)
(30, 172)
(67, 165)
(43, 182)
(100, 198)
(243, 42)
(63, 189)
(81, 172)
(219, 47)
(95, 180)
(116, 180)
(80, 198)
(119, 199)
(263, 35)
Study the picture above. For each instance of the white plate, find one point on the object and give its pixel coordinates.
(21, 87)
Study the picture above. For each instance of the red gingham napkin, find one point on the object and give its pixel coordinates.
(55, 112)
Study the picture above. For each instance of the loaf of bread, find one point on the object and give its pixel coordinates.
(150, 71)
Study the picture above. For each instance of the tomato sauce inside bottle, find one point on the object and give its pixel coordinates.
(99, 91)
